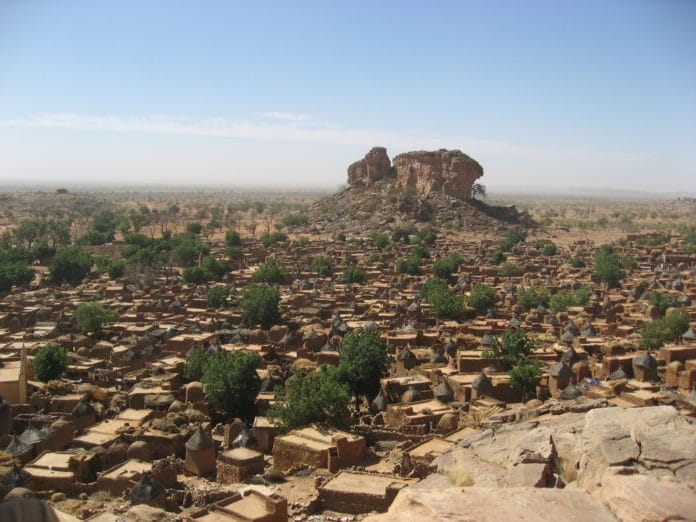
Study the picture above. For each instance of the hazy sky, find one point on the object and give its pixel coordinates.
(549, 94)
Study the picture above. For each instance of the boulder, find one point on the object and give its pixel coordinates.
(448, 171)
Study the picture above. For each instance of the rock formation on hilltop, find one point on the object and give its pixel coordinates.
(450, 172)
(373, 167)
(423, 188)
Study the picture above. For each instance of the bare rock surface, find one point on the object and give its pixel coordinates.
(490, 504)
(637, 463)
(373, 167)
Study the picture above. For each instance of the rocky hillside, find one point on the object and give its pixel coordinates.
(420, 188)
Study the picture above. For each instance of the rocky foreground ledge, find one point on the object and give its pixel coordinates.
(608, 464)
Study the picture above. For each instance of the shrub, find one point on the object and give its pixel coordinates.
(353, 274)
(259, 304)
(426, 236)
(322, 265)
(399, 234)
(445, 267)
(217, 267)
(525, 374)
(511, 239)
(234, 252)
(194, 228)
(482, 298)
(216, 296)
(295, 220)
(116, 268)
(197, 276)
(270, 271)
(577, 262)
(498, 257)
(363, 362)
(195, 361)
(432, 285)
(550, 250)
(564, 299)
(70, 265)
(267, 239)
(302, 241)
(380, 240)
(14, 273)
(50, 362)
(663, 301)
(408, 265)
(92, 316)
(307, 398)
(420, 252)
(231, 383)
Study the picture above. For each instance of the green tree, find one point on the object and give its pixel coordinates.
(268, 238)
(380, 240)
(50, 362)
(195, 362)
(195, 275)
(271, 271)
(259, 304)
(194, 228)
(233, 239)
(509, 269)
(482, 298)
(216, 296)
(230, 382)
(92, 316)
(14, 273)
(662, 301)
(316, 397)
(564, 299)
(70, 265)
(431, 285)
(363, 362)
(511, 347)
(532, 297)
(607, 267)
(512, 238)
(445, 267)
(446, 304)
(217, 267)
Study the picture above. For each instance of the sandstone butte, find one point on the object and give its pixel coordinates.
(448, 171)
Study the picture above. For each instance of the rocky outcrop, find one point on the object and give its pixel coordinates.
(373, 167)
(615, 464)
(448, 171)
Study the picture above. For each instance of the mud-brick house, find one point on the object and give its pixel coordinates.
(330, 450)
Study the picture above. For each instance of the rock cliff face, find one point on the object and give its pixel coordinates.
(373, 167)
(448, 171)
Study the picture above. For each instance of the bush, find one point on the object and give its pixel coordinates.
(233, 239)
(231, 383)
(420, 252)
(307, 398)
(513, 237)
(530, 298)
(482, 298)
(663, 301)
(525, 374)
(399, 234)
(216, 296)
(322, 265)
(217, 267)
(50, 362)
(195, 275)
(363, 362)
(302, 241)
(195, 362)
(194, 228)
(498, 257)
(510, 270)
(564, 299)
(352, 274)
(116, 268)
(70, 265)
(234, 252)
(550, 250)
(295, 220)
(259, 304)
(380, 240)
(511, 347)
(426, 236)
(446, 304)
(94, 238)
(270, 271)
(92, 316)
(445, 267)
(267, 239)
(577, 262)
(408, 265)
(668, 329)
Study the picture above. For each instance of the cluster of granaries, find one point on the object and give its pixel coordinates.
(123, 409)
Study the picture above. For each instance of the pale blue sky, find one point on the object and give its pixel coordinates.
(550, 94)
